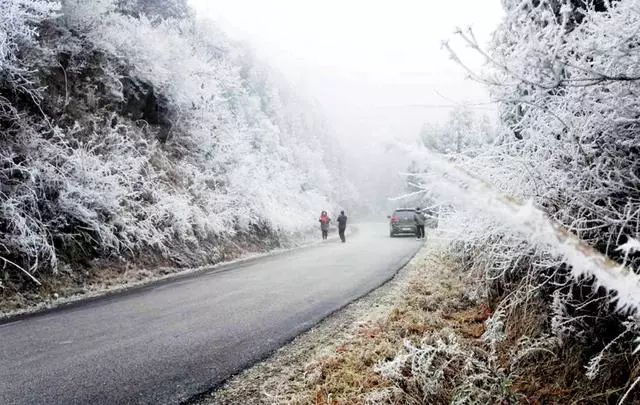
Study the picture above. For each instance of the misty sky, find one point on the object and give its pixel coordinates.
(376, 67)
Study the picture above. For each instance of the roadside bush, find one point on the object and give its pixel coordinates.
(441, 370)
(547, 215)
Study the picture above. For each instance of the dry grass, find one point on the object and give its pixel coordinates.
(339, 362)
(433, 301)
(335, 364)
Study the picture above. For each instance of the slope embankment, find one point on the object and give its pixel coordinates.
(136, 140)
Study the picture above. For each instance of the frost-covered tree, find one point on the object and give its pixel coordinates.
(462, 133)
(153, 137)
(559, 187)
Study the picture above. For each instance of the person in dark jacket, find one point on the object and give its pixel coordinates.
(419, 219)
(342, 226)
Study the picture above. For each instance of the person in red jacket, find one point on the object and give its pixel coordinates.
(324, 224)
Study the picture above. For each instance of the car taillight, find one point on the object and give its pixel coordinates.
(395, 220)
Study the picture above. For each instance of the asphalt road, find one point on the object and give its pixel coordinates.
(168, 342)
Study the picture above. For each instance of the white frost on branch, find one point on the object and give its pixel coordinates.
(632, 245)
(467, 191)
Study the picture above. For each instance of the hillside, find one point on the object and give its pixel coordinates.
(132, 134)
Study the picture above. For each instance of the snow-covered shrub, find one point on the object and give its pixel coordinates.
(19, 22)
(548, 214)
(565, 77)
(441, 370)
(86, 15)
(152, 138)
(256, 152)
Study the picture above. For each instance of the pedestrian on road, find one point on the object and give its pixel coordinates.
(324, 224)
(342, 226)
(419, 219)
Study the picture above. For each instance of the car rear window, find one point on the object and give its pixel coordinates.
(404, 214)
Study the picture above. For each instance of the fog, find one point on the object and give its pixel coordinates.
(376, 68)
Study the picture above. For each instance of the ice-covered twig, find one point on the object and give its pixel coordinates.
(7, 261)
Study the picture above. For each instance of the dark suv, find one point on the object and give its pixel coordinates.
(402, 222)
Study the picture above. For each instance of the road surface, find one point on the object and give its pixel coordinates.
(165, 343)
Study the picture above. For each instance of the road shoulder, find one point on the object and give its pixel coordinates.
(107, 281)
(336, 360)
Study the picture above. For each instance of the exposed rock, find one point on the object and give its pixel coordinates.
(141, 102)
